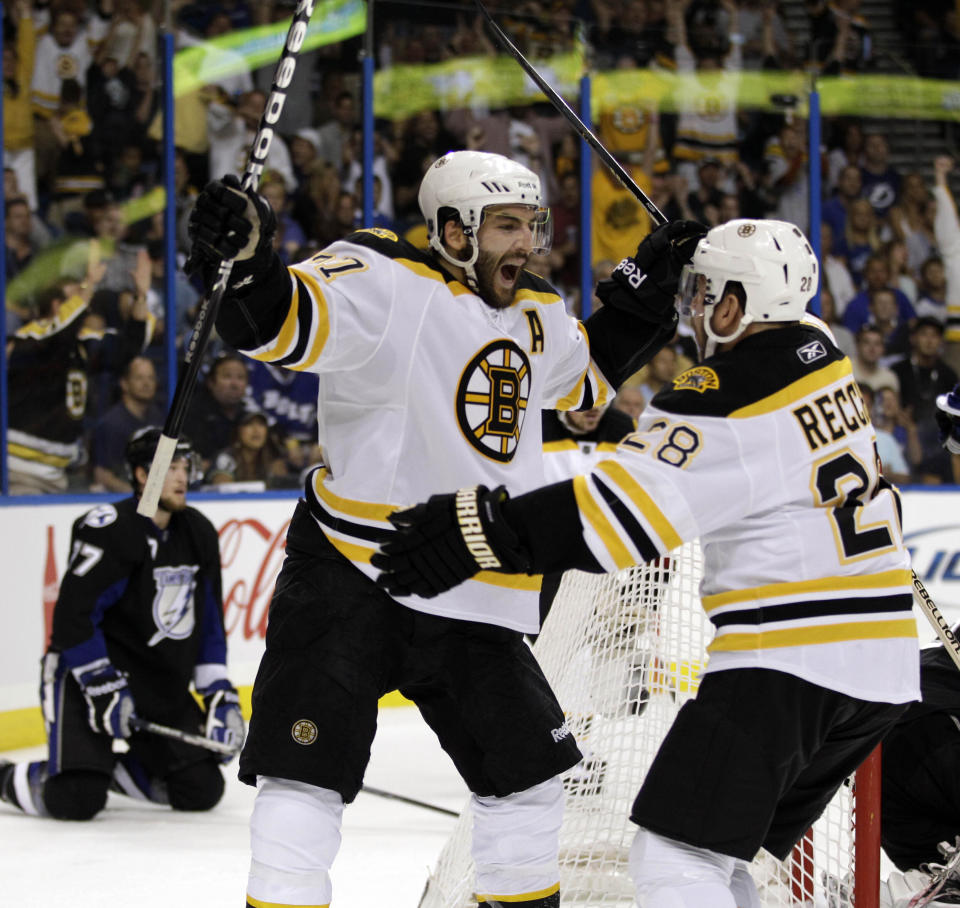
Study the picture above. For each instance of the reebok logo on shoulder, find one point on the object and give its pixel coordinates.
(811, 352)
(558, 734)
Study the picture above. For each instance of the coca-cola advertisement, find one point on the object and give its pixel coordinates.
(252, 535)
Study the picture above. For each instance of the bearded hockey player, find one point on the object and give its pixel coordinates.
(433, 369)
(139, 616)
(765, 453)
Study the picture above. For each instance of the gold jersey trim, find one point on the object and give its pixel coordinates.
(638, 495)
(810, 636)
(525, 897)
(284, 340)
(865, 582)
(602, 527)
(366, 510)
(797, 390)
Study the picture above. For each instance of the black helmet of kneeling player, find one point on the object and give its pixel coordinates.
(142, 445)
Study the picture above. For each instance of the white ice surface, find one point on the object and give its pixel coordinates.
(141, 856)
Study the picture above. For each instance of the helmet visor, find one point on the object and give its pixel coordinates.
(538, 222)
(691, 293)
(542, 232)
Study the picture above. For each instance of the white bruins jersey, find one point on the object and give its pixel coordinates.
(766, 454)
(566, 454)
(424, 389)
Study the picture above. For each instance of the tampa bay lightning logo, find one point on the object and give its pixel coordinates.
(492, 399)
(173, 603)
(101, 516)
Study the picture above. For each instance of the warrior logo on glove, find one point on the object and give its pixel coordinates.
(468, 519)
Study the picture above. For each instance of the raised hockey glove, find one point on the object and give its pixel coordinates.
(447, 540)
(645, 284)
(948, 420)
(229, 224)
(110, 704)
(224, 722)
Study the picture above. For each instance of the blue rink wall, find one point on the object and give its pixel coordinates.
(252, 529)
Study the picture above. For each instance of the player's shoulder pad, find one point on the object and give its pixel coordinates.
(533, 288)
(756, 368)
(118, 525)
(388, 244)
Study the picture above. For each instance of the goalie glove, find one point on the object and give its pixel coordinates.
(948, 420)
(109, 702)
(645, 284)
(224, 723)
(447, 540)
(229, 224)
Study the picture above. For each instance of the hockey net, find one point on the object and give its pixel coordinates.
(623, 652)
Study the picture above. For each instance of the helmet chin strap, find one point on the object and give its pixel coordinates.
(713, 339)
(466, 264)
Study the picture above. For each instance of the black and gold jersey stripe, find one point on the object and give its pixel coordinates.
(786, 364)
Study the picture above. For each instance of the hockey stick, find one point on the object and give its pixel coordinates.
(611, 162)
(165, 731)
(929, 608)
(207, 313)
(380, 793)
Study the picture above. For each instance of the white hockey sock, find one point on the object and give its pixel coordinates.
(743, 887)
(294, 837)
(516, 842)
(671, 874)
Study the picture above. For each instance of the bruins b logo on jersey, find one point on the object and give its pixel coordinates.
(492, 399)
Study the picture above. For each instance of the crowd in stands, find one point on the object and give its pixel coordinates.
(85, 245)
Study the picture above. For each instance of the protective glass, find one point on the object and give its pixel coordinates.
(192, 461)
(691, 292)
(540, 224)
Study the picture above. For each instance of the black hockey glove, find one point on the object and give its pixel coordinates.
(109, 701)
(646, 284)
(229, 224)
(224, 722)
(948, 420)
(447, 540)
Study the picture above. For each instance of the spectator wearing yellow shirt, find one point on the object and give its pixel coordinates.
(18, 57)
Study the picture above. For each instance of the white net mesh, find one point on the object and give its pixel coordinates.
(623, 652)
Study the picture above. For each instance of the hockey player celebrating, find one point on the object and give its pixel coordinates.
(433, 369)
(764, 452)
(138, 617)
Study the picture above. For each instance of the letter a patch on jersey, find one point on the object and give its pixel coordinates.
(492, 399)
(173, 603)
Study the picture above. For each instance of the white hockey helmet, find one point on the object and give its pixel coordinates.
(772, 260)
(470, 181)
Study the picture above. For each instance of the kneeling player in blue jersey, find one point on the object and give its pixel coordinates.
(138, 619)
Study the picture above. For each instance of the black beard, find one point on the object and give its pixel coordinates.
(486, 269)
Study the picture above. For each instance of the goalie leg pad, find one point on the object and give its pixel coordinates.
(671, 874)
(516, 842)
(294, 837)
